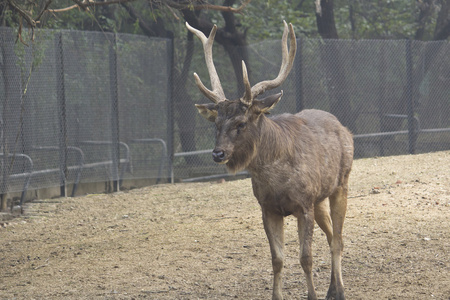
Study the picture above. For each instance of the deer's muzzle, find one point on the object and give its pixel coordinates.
(219, 156)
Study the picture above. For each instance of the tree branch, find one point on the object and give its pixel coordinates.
(136, 16)
(24, 14)
(57, 10)
(47, 4)
(223, 8)
(84, 4)
(173, 4)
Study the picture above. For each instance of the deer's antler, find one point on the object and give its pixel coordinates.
(216, 95)
(286, 66)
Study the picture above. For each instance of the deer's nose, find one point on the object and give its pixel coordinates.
(218, 155)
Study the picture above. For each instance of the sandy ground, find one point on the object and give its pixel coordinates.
(206, 241)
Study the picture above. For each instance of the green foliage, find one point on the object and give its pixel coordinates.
(370, 19)
(263, 20)
(376, 20)
(356, 19)
(31, 57)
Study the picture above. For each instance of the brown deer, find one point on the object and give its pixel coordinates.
(295, 162)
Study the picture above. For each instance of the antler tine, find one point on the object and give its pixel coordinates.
(286, 65)
(247, 98)
(216, 95)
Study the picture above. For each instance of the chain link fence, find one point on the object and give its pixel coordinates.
(79, 107)
(394, 95)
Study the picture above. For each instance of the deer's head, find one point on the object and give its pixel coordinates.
(237, 121)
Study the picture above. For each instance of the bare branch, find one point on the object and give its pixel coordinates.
(63, 9)
(47, 4)
(85, 4)
(80, 3)
(24, 14)
(32, 21)
(222, 8)
(177, 5)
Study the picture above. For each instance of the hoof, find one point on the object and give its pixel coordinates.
(333, 295)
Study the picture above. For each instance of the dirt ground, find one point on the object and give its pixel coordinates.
(206, 241)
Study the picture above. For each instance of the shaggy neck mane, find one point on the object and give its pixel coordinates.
(276, 137)
(270, 141)
(275, 140)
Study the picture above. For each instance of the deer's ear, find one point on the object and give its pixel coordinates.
(208, 111)
(266, 104)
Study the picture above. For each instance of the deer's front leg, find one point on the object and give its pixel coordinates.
(273, 225)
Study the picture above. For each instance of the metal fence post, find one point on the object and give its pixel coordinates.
(170, 108)
(382, 67)
(409, 99)
(61, 95)
(113, 81)
(299, 105)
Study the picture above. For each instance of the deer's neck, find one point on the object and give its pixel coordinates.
(275, 143)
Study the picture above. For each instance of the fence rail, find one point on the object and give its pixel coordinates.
(79, 107)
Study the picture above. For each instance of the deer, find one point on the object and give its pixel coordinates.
(296, 162)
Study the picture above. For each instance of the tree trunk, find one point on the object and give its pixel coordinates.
(184, 106)
(336, 81)
(229, 37)
(185, 112)
(236, 46)
(326, 24)
(442, 29)
(441, 32)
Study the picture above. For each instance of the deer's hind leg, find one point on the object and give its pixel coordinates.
(305, 222)
(338, 208)
(274, 227)
(323, 219)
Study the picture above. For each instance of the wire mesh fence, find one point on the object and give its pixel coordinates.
(83, 107)
(80, 107)
(394, 95)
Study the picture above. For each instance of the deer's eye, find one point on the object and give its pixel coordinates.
(240, 127)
